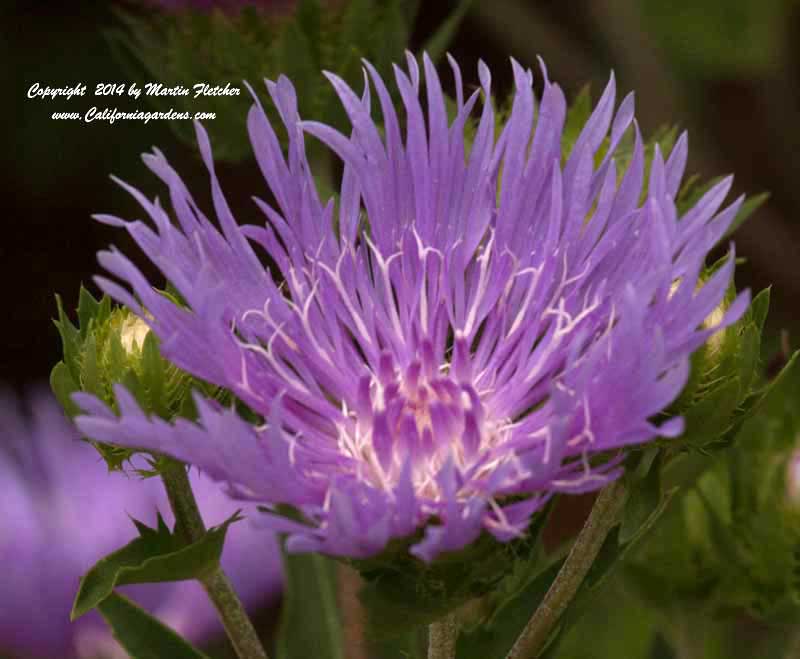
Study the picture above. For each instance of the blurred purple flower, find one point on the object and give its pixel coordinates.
(61, 511)
(448, 344)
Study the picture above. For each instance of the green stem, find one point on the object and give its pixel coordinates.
(442, 637)
(188, 522)
(604, 515)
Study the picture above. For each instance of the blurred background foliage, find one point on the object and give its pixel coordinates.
(727, 70)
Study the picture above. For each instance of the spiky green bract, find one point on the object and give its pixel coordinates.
(725, 384)
(111, 345)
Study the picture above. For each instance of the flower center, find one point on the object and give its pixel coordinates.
(427, 414)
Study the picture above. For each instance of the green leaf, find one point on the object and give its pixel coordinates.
(437, 43)
(155, 556)
(759, 308)
(70, 341)
(786, 373)
(692, 190)
(577, 114)
(643, 503)
(310, 623)
(710, 417)
(750, 206)
(627, 633)
(142, 635)
(90, 372)
(759, 397)
(116, 359)
(88, 308)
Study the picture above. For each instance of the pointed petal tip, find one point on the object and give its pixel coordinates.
(543, 69)
(672, 428)
(111, 220)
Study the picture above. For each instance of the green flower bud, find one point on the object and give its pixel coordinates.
(111, 345)
(725, 381)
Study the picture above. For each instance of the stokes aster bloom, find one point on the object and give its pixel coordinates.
(61, 511)
(467, 330)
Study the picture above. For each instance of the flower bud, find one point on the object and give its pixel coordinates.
(111, 345)
(723, 381)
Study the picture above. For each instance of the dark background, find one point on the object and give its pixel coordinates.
(728, 70)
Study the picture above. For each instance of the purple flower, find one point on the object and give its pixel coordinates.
(463, 333)
(61, 511)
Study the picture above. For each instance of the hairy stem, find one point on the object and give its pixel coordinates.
(442, 637)
(604, 515)
(188, 521)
